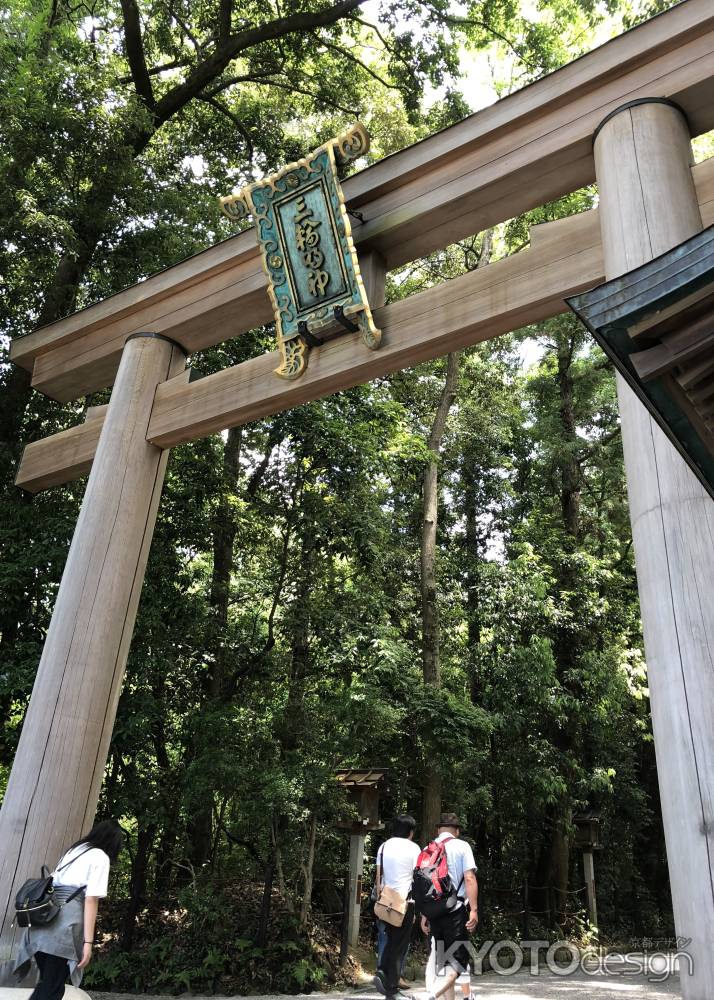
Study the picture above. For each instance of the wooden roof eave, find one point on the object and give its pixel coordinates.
(625, 317)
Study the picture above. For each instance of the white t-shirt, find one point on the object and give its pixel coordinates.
(460, 859)
(397, 858)
(89, 868)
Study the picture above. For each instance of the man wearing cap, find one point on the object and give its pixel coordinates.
(452, 929)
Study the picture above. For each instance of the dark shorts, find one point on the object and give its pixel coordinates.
(450, 937)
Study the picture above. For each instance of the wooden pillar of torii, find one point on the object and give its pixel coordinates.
(56, 777)
(647, 206)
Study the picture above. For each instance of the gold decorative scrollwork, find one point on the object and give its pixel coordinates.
(351, 143)
(371, 336)
(236, 207)
(294, 358)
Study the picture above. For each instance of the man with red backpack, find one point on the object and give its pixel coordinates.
(446, 893)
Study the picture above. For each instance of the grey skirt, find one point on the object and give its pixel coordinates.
(63, 937)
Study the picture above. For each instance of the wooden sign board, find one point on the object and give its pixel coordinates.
(308, 253)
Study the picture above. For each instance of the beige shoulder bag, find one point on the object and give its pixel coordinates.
(390, 906)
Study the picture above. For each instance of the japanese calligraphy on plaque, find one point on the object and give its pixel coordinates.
(308, 253)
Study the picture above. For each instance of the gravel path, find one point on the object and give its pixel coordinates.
(522, 986)
(519, 987)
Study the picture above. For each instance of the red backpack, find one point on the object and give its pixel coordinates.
(433, 890)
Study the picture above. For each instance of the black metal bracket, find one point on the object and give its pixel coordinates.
(339, 313)
(310, 339)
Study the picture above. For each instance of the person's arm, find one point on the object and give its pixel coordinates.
(91, 905)
(471, 887)
(377, 887)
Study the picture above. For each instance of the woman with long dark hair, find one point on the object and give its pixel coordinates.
(64, 946)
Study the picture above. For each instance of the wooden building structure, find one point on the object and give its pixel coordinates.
(622, 116)
(656, 323)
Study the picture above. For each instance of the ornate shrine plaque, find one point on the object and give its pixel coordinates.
(308, 253)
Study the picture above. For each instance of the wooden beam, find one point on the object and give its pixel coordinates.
(496, 308)
(526, 149)
(222, 305)
(647, 207)
(693, 374)
(682, 347)
(525, 288)
(62, 457)
(565, 256)
(51, 794)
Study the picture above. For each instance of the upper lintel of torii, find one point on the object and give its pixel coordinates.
(527, 149)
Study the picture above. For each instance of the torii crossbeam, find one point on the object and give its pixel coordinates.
(647, 92)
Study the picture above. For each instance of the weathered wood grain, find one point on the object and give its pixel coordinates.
(53, 788)
(565, 256)
(485, 303)
(62, 457)
(493, 313)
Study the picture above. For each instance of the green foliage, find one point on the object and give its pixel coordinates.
(193, 948)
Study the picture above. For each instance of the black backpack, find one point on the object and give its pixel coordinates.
(35, 903)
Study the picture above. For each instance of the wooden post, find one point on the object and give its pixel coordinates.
(647, 206)
(374, 275)
(344, 925)
(526, 928)
(55, 780)
(355, 898)
(589, 869)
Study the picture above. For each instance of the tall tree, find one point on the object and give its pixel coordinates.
(431, 669)
(431, 805)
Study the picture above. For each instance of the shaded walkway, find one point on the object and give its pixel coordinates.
(519, 987)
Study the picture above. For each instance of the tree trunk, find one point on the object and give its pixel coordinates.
(473, 539)
(224, 533)
(137, 890)
(471, 564)
(261, 937)
(308, 869)
(559, 867)
(570, 476)
(554, 861)
(431, 805)
(170, 794)
(165, 852)
(279, 872)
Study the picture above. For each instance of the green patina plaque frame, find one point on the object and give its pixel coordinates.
(308, 252)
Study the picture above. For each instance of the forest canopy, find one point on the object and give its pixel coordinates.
(431, 573)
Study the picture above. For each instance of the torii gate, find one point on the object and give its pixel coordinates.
(525, 150)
